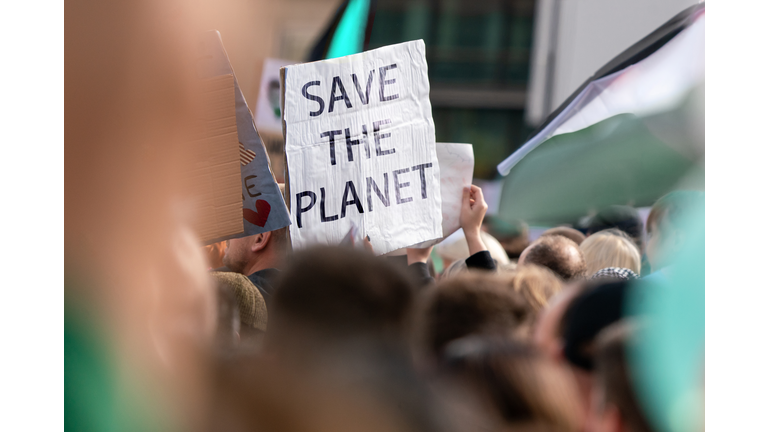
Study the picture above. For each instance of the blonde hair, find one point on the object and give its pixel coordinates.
(536, 284)
(610, 248)
(455, 248)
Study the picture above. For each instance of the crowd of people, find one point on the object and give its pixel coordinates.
(534, 340)
(485, 331)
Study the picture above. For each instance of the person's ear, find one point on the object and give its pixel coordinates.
(260, 241)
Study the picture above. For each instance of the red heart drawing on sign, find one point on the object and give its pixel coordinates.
(258, 217)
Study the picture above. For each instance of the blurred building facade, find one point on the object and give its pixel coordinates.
(574, 38)
(253, 30)
(496, 67)
(478, 52)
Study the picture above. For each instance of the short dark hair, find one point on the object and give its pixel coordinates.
(280, 237)
(337, 293)
(612, 375)
(552, 252)
(469, 303)
(600, 305)
(624, 218)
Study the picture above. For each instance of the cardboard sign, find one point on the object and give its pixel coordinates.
(213, 174)
(360, 149)
(263, 207)
(268, 115)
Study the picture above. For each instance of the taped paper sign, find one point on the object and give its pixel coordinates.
(457, 163)
(360, 148)
(263, 207)
(268, 116)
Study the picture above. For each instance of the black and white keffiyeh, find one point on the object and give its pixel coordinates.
(614, 273)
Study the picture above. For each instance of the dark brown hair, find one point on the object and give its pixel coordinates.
(612, 375)
(338, 293)
(568, 232)
(554, 252)
(466, 304)
(523, 388)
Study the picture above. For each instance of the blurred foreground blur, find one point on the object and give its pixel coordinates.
(559, 334)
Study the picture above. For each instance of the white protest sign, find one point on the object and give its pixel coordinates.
(360, 148)
(268, 118)
(457, 165)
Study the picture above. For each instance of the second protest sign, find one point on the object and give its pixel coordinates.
(360, 149)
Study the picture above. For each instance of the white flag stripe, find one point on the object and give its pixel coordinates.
(654, 84)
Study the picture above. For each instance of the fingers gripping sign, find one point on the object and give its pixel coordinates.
(473, 208)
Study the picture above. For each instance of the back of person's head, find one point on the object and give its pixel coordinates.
(536, 284)
(600, 305)
(351, 389)
(571, 233)
(249, 254)
(667, 223)
(624, 218)
(280, 237)
(670, 211)
(551, 323)
(610, 248)
(250, 303)
(559, 254)
(547, 334)
(550, 335)
(335, 294)
(520, 388)
(616, 405)
(469, 303)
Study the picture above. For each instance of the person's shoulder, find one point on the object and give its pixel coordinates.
(265, 280)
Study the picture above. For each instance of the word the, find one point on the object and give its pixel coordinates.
(377, 137)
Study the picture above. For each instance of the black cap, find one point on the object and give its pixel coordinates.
(590, 313)
(625, 218)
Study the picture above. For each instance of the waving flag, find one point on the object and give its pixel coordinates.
(610, 143)
(348, 32)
